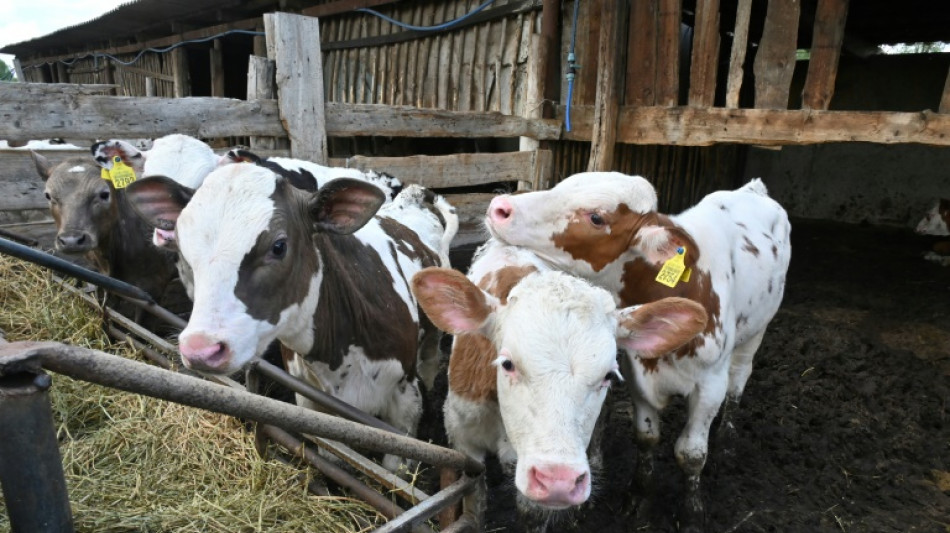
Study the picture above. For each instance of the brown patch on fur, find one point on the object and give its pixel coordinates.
(640, 286)
(471, 374)
(596, 245)
(500, 282)
(749, 247)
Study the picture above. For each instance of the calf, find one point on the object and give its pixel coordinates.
(937, 222)
(534, 353)
(730, 253)
(314, 270)
(94, 219)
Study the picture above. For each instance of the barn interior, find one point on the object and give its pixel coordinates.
(842, 108)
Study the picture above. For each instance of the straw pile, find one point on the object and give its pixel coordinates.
(138, 464)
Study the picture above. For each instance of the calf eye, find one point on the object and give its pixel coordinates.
(104, 195)
(597, 220)
(508, 365)
(279, 249)
(48, 197)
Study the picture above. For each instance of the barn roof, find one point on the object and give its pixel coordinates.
(870, 22)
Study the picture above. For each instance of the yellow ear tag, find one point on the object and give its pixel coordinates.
(121, 174)
(674, 269)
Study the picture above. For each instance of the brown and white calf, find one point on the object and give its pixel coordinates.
(316, 271)
(937, 222)
(736, 245)
(534, 353)
(94, 220)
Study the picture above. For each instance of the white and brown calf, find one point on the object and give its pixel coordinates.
(736, 244)
(937, 222)
(316, 271)
(534, 353)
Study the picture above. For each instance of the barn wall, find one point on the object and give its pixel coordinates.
(863, 182)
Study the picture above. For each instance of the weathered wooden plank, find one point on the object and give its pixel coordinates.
(299, 83)
(21, 188)
(64, 89)
(610, 60)
(24, 116)
(403, 121)
(740, 42)
(182, 77)
(471, 209)
(668, 52)
(216, 58)
(456, 170)
(342, 6)
(704, 60)
(775, 59)
(149, 73)
(825, 51)
(261, 85)
(641, 53)
(694, 126)
(945, 99)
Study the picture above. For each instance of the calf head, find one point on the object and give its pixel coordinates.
(583, 224)
(247, 238)
(83, 204)
(184, 159)
(556, 338)
(937, 220)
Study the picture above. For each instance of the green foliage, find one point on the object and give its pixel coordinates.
(6, 73)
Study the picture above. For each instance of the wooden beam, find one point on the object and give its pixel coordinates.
(613, 30)
(704, 62)
(642, 65)
(342, 6)
(216, 57)
(550, 54)
(180, 72)
(668, 53)
(775, 59)
(25, 114)
(456, 170)
(740, 43)
(945, 99)
(694, 126)
(45, 90)
(148, 73)
(825, 51)
(299, 82)
(347, 120)
(262, 85)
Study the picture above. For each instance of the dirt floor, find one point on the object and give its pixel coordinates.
(844, 426)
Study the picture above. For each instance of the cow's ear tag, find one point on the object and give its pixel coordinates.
(674, 269)
(121, 175)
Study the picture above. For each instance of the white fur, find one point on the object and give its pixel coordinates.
(77, 169)
(933, 223)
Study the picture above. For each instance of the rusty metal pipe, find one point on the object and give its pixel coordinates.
(428, 508)
(31, 469)
(324, 400)
(133, 376)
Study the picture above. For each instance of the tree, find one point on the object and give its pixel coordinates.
(5, 73)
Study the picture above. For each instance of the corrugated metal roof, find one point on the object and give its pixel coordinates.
(151, 18)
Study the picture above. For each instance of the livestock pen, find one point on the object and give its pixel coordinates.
(845, 414)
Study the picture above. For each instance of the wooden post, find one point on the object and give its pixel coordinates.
(642, 53)
(945, 99)
(149, 86)
(260, 43)
(775, 60)
(295, 42)
(668, 53)
(108, 76)
(217, 69)
(704, 60)
(550, 54)
(261, 85)
(18, 68)
(180, 72)
(609, 76)
(825, 52)
(533, 101)
(740, 42)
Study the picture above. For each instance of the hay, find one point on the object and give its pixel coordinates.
(139, 464)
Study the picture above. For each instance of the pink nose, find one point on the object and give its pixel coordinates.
(558, 485)
(500, 210)
(200, 352)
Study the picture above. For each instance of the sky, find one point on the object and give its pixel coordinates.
(22, 20)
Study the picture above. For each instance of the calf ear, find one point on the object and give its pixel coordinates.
(43, 166)
(657, 328)
(658, 244)
(452, 301)
(105, 151)
(345, 205)
(158, 200)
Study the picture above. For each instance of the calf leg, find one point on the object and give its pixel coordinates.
(647, 422)
(740, 368)
(403, 412)
(692, 447)
(429, 354)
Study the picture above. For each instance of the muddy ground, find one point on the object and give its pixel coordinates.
(844, 426)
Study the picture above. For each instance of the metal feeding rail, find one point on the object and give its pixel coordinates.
(37, 500)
